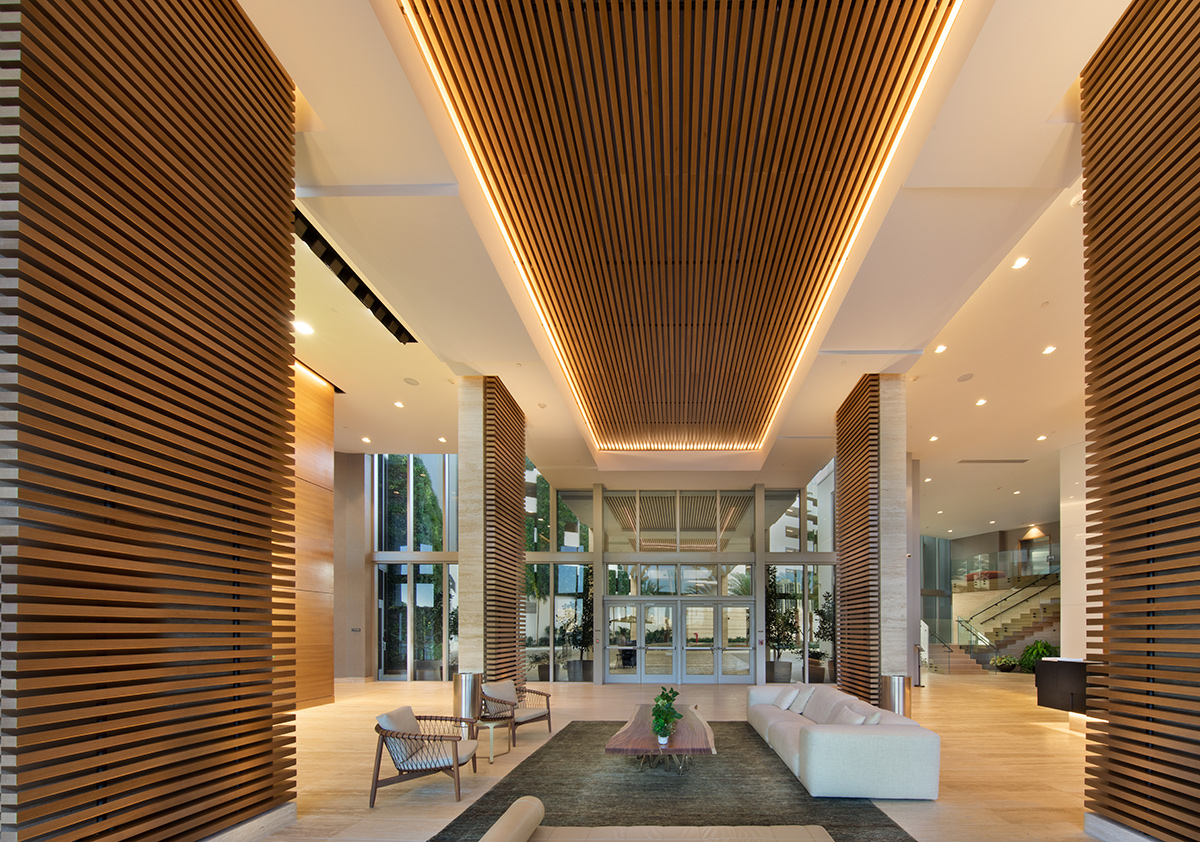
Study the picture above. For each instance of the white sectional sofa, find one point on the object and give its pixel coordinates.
(840, 746)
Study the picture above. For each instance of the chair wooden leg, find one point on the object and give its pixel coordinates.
(454, 771)
(375, 776)
(549, 730)
(512, 732)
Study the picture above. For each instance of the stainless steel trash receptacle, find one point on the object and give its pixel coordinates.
(895, 693)
(468, 696)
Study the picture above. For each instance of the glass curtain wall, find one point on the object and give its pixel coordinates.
(800, 622)
(416, 507)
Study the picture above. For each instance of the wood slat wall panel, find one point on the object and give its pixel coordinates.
(1141, 115)
(856, 515)
(676, 171)
(313, 488)
(503, 534)
(146, 631)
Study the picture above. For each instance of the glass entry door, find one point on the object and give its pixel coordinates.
(699, 643)
(641, 642)
(678, 641)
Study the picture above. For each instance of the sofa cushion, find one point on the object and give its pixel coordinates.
(870, 714)
(787, 696)
(804, 693)
(843, 715)
(767, 719)
(820, 706)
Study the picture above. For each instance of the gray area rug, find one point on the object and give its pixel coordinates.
(744, 783)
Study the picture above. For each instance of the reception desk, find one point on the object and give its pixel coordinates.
(1062, 683)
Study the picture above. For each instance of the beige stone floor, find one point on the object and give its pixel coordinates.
(1010, 770)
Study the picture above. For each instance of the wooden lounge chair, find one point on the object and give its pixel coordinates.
(503, 700)
(422, 745)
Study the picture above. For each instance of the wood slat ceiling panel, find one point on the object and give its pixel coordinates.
(1141, 114)
(680, 181)
(146, 647)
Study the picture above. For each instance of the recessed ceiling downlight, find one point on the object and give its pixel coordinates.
(442, 439)
(366, 440)
(398, 405)
(1020, 263)
(940, 349)
(303, 327)
(412, 381)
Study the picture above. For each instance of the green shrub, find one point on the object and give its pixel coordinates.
(1034, 652)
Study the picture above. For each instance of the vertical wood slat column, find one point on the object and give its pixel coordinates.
(314, 538)
(871, 533)
(504, 534)
(491, 545)
(145, 641)
(1141, 116)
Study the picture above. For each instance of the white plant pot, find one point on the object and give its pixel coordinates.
(662, 741)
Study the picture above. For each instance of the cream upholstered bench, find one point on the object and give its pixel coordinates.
(521, 822)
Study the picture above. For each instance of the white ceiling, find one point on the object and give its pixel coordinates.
(985, 171)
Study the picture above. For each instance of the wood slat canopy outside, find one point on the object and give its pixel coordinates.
(147, 648)
(1141, 118)
(679, 181)
(503, 534)
(856, 515)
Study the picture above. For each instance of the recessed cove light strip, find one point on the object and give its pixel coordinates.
(440, 36)
(862, 216)
(432, 66)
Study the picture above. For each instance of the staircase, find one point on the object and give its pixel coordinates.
(956, 661)
(1034, 619)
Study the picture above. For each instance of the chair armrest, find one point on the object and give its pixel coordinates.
(423, 736)
(509, 707)
(542, 698)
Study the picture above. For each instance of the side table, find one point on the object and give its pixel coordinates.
(491, 726)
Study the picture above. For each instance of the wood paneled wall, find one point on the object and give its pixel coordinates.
(503, 533)
(146, 690)
(870, 513)
(1141, 118)
(314, 538)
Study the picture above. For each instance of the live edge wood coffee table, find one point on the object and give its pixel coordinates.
(692, 736)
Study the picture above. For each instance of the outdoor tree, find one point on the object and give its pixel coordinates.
(783, 626)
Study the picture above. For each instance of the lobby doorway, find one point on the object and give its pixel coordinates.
(674, 641)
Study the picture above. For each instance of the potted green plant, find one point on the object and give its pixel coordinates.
(816, 666)
(1034, 652)
(1005, 663)
(663, 716)
(541, 662)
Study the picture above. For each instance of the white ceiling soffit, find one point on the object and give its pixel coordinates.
(387, 182)
(352, 350)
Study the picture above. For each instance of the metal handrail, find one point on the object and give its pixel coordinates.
(946, 645)
(976, 636)
(1032, 584)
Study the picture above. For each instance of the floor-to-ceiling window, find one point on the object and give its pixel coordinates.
(416, 507)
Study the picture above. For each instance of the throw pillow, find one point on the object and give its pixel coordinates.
(506, 690)
(871, 715)
(803, 694)
(844, 716)
(401, 719)
(786, 697)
